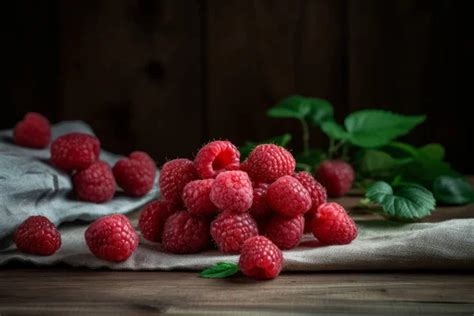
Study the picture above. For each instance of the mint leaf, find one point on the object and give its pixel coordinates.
(300, 107)
(220, 270)
(452, 190)
(374, 128)
(409, 201)
(281, 140)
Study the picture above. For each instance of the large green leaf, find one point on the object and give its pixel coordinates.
(304, 108)
(452, 191)
(374, 128)
(409, 201)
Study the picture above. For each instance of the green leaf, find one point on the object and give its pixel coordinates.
(334, 130)
(374, 128)
(453, 190)
(432, 151)
(410, 201)
(376, 163)
(220, 270)
(281, 140)
(299, 107)
(310, 159)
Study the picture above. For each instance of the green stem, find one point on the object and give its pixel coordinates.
(305, 128)
(331, 147)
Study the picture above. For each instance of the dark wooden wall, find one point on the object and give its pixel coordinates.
(165, 76)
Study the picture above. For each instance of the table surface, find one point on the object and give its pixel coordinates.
(58, 290)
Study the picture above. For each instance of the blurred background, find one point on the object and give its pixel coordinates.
(166, 76)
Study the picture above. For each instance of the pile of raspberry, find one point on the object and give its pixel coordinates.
(256, 208)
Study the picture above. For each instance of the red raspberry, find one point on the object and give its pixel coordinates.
(95, 184)
(268, 162)
(184, 233)
(111, 238)
(38, 236)
(136, 174)
(152, 219)
(229, 230)
(196, 197)
(332, 225)
(260, 258)
(288, 197)
(337, 176)
(33, 131)
(232, 191)
(216, 157)
(317, 193)
(75, 151)
(260, 209)
(174, 175)
(285, 232)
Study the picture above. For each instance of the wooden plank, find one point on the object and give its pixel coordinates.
(60, 291)
(132, 70)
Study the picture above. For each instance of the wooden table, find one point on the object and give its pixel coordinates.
(58, 290)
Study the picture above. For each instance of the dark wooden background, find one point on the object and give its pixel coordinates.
(165, 76)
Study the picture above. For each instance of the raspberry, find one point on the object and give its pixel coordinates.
(285, 232)
(232, 191)
(75, 151)
(38, 236)
(332, 225)
(260, 258)
(337, 176)
(111, 238)
(95, 184)
(33, 131)
(260, 209)
(268, 162)
(288, 197)
(229, 230)
(152, 219)
(136, 174)
(184, 233)
(216, 157)
(196, 197)
(175, 174)
(317, 193)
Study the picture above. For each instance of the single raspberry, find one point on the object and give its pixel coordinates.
(136, 174)
(268, 162)
(332, 225)
(75, 151)
(260, 209)
(285, 232)
(316, 191)
(337, 176)
(216, 157)
(229, 230)
(232, 191)
(288, 197)
(38, 236)
(260, 258)
(33, 131)
(184, 233)
(174, 175)
(153, 217)
(111, 238)
(196, 197)
(95, 184)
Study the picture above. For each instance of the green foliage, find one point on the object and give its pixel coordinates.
(408, 202)
(303, 108)
(308, 161)
(220, 270)
(452, 190)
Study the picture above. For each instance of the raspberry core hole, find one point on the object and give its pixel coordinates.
(222, 160)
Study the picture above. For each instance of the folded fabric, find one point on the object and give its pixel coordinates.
(381, 245)
(29, 185)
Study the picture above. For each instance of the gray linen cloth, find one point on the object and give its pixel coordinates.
(28, 185)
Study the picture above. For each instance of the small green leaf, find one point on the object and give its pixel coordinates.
(410, 201)
(376, 163)
(321, 110)
(334, 130)
(312, 158)
(432, 151)
(374, 128)
(281, 140)
(220, 270)
(453, 190)
(294, 106)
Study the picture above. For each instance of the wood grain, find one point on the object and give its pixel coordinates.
(59, 291)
